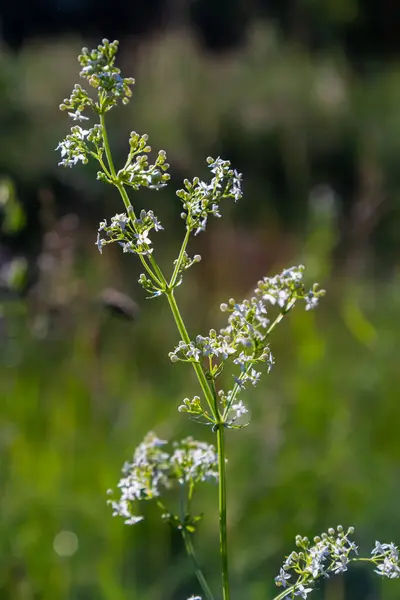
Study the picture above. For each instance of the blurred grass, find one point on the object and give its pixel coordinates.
(323, 447)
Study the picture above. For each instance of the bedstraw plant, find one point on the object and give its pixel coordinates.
(226, 362)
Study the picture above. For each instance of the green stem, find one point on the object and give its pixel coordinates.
(286, 592)
(214, 394)
(179, 260)
(196, 566)
(100, 160)
(209, 396)
(222, 511)
(196, 365)
(107, 146)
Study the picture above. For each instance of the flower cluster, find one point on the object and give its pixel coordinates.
(287, 287)
(244, 340)
(194, 462)
(98, 68)
(81, 144)
(137, 172)
(386, 557)
(202, 199)
(330, 554)
(74, 148)
(131, 234)
(154, 469)
(192, 406)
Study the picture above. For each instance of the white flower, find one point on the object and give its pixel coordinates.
(143, 238)
(281, 579)
(388, 569)
(239, 409)
(380, 548)
(120, 220)
(302, 591)
(64, 146)
(77, 116)
(79, 132)
(340, 565)
(311, 302)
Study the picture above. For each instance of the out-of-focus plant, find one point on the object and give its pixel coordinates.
(13, 213)
(224, 362)
(12, 220)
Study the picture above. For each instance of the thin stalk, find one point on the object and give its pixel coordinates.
(101, 161)
(286, 592)
(179, 260)
(222, 511)
(220, 444)
(196, 366)
(107, 146)
(196, 566)
(214, 389)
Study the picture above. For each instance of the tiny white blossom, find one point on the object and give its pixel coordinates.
(282, 578)
(120, 220)
(302, 591)
(239, 408)
(143, 237)
(311, 302)
(77, 116)
(80, 133)
(380, 548)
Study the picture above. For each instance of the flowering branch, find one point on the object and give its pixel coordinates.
(331, 554)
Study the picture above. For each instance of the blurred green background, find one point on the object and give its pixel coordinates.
(304, 98)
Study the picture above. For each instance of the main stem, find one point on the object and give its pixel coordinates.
(220, 446)
(107, 145)
(223, 541)
(196, 365)
(168, 290)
